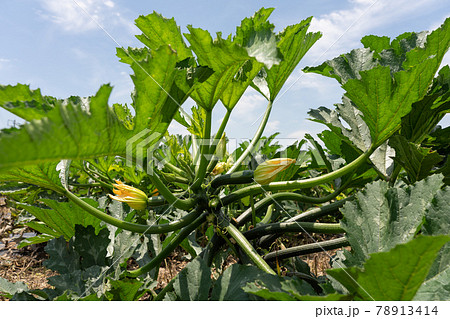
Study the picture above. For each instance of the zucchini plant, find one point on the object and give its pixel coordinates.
(105, 186)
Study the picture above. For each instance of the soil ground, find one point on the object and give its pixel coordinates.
(26, 264)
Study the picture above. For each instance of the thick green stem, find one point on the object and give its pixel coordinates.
(217, 138)
(274, 198)
(212, 248)
(155, 262)
(255, 139)
(293, 185)
(184, 204)
(204, 152)
(241, 177)
(307, 249)
(99, 181)
(294, 227)
(317, 212)
(175, 169)
(133, 227)
(309, 215)
(268, 215)
(248, 249)
(166, 289)
(174, 178)
(394, 175)
(252, 210)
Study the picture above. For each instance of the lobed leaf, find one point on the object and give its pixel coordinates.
(382, 217)
(62, 217)
(417, 161)
(9, 289)
(383, 80)
(426, 113)
(194, 281)
(393, 275)
(158, 31)
(67, 131)
(42, 174)
(437, 221)
(293, 43)
(228, 60)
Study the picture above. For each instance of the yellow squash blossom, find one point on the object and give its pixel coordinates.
(135, 198)
(266, 172)
(219, 169)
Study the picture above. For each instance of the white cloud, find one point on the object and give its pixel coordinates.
(4, 62)
(109, 4)
(343, 29)
(177, 128)
(299, 134)
(446, 60)
(310, 81)
(82, 15)
(250, 107)
(272, 126)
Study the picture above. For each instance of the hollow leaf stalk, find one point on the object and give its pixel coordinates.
(217, 137)
(184, 204)
(248, 249)
(169, 248)
(133, 227)
(204, 151)
(255, 139)
(293, 185)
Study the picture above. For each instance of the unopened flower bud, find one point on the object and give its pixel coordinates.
(266, 172)
(219, 169)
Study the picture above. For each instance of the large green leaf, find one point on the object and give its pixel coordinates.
(62, 217)
(382, 217)
(357, 131)
(127, 289)
(42, 174)
(79, 262)
(23, 102)
(91, 245)
(393, 275)
(427, 113)
(67, 131)
(9, 289)
(384, 79)
(293, 43)
(85, 128)
(227, 59)
(194, 281)
(229, 285)
(417, 161)
(279, 288)
(160, 88)
(256, 35)
(355, 135)
(158, 31)
(62, 258)
(437, 222)
(436, 288)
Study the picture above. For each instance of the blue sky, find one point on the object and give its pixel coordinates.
(54, 45)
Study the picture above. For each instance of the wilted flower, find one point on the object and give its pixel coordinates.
(135, 198)
(223, 166)
(266, 172)
(219, 169)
